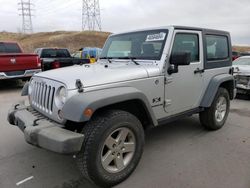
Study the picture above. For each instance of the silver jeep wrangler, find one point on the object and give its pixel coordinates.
(143, 79)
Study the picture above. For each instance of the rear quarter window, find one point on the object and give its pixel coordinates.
(2, 49)
(55, 53)
(9, 48)
(217, 47)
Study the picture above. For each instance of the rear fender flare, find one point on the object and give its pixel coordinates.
(213, 87)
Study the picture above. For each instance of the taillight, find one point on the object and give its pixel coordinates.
(55, 65)
(39, 63)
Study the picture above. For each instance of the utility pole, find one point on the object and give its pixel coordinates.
(25, 7)
(91, 15)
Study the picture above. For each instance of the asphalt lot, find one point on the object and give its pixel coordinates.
(178, 155)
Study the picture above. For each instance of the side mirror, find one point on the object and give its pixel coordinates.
(180, 59)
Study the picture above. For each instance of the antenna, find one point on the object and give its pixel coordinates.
(91, 15)
(25, 9)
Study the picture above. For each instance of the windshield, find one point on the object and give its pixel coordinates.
(146, 45)
(55, 53)
(242, 61)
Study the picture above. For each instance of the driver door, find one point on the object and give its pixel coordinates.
(183, 89)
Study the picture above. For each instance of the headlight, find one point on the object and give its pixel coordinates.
(62, 95)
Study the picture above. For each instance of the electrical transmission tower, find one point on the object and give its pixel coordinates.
(25, 7)
(91, 15)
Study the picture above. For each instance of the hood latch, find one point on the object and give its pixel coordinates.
(79, 85)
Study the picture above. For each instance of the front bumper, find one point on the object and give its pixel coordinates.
(26, 74)
(44, 133)
(243, 89)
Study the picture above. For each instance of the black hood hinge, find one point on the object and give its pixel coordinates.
(79, 85)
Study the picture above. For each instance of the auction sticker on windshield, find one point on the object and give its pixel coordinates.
(156, 37)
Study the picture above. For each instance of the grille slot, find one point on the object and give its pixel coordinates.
(43, 96)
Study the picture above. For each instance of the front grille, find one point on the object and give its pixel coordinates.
(43, 96)
(242, 80)
(41, 117)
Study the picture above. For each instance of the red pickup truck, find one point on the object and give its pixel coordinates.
(14, 64)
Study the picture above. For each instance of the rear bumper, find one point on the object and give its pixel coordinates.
(27, 73)
(44, 133)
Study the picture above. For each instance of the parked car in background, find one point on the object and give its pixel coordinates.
(88, 53)
(242, 74)
(235, 55)
(54, 58)
(245, 54)
(14, 64)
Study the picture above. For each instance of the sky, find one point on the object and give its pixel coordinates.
(126, 15)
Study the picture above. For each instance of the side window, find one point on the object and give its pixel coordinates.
(217, 47)
(187, 43)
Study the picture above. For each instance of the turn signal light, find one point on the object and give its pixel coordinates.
(88, 112)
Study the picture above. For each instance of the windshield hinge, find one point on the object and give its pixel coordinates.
(168, 80)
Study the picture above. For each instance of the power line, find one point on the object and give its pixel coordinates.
(52, 10)
(25, 7)
(91, 16)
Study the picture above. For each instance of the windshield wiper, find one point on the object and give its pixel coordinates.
(130, 58)
(108, 58)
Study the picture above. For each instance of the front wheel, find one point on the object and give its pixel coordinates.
(112, 148)
(214, 117)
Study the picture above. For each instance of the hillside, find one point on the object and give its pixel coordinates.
(66, 39)
(60, 39)
(241, 48)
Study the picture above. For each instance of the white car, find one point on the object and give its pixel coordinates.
(242, 74)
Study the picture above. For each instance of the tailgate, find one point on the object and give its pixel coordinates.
(18, 62)
(65, 62)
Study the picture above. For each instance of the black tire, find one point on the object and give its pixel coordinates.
(208, 117)
(96, 132)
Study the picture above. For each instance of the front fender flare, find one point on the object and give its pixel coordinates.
(213, 88)
(25, 90)
(75, 106)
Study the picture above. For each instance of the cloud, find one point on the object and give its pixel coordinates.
(118, 16)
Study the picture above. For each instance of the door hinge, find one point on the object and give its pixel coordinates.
(167, 102)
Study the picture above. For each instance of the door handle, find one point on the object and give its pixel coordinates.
(199, 71)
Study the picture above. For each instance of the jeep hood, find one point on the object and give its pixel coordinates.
(100, 73)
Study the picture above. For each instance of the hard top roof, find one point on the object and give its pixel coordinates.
(205, 30)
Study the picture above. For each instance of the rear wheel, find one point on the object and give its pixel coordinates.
(215, 117)
(112, 148)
